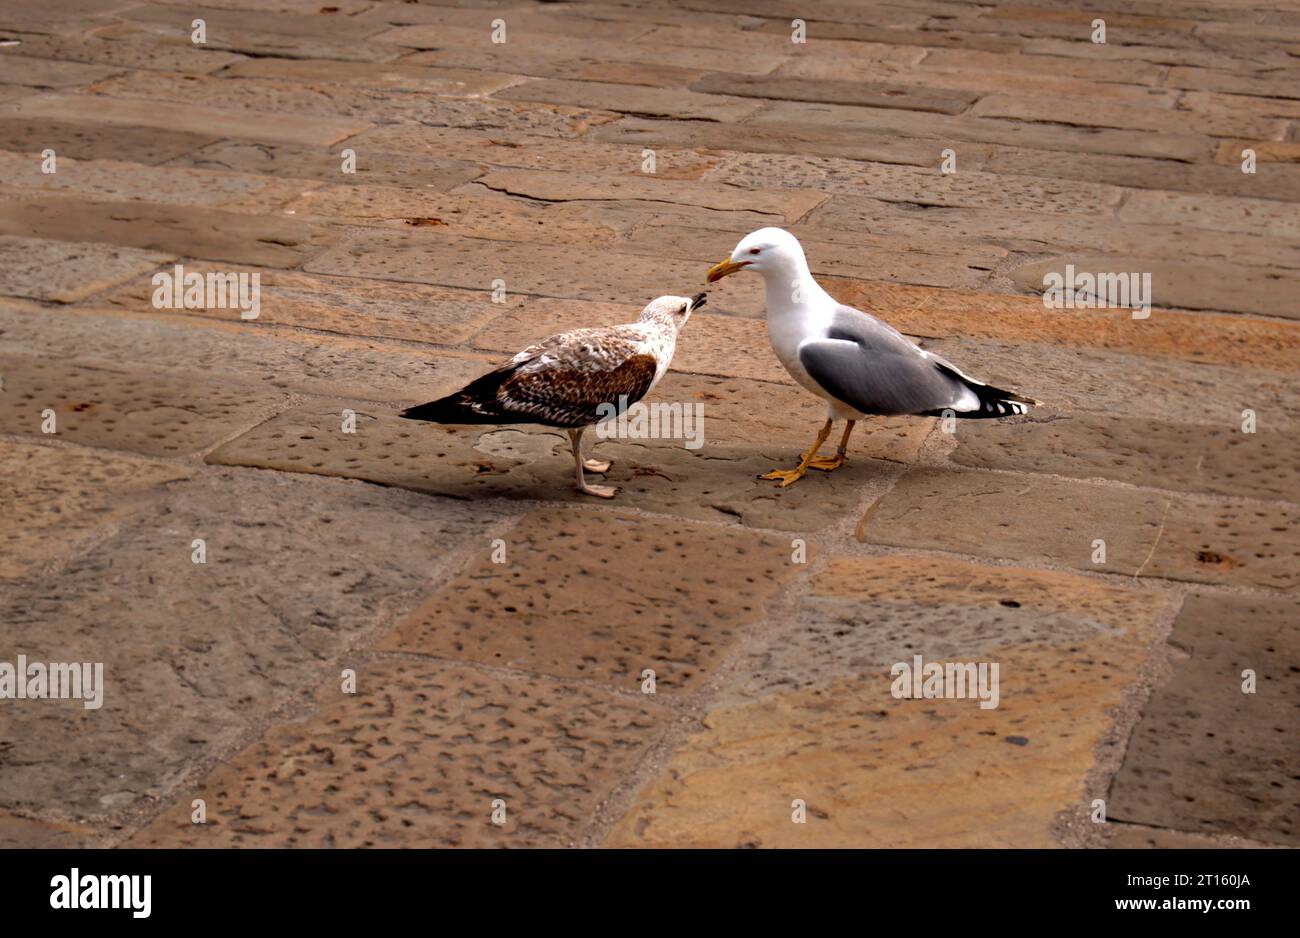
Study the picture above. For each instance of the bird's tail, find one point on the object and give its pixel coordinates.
(995, 402)
(474, 403)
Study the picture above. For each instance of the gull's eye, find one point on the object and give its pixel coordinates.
(754, 250)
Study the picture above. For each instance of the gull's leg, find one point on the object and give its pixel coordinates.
(791, 476)
(831, 463)
(601, 491)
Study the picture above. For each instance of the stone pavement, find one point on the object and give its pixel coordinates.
(500, 626)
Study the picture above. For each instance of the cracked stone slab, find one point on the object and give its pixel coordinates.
(1035, 519)
(437, 216)
(809, 714)
(48, 73)
(1182, 456)
(1206, 757)
(348, 306)
(558, 186)
(718, 482)
(64, 500)
(441, 745)
(390, 76)
(20, 833)
(142, 412)
(563, 604)
(297, 570)
(66, 271)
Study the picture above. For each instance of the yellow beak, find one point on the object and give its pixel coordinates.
(725, 269)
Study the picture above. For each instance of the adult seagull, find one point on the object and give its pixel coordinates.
(858, 364)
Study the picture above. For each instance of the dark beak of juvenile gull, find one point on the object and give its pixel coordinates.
(725, 269)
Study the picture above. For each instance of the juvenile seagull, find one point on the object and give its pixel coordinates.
(859, 364)
(564, 380)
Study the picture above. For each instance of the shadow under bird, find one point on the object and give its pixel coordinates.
(573, 380)
(859, 365)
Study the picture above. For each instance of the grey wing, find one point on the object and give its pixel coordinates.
(872, 367)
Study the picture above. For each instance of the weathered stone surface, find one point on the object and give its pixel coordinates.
(632, 99)
(531, 152)
(1147, 533)
(61, 500)
(788, 204)
(22, 833)
(1112, 114)
(294, 574)
(237, 237)
(442, 745)
(111, 46)
(1203, 284)
(185, 117)
(289, 359)
(349, 307)
(472, 213)
(836, 92)
(809, 714)
(472, 263)
(556, 55)
(1195, 337)
(373, 167)
(1205, 756)
(921, 186)
(254, 42)
(66, 271)
(46, 73)
(717, 482)
(1218, 213)
(1185, 457)
(82, 142)
(393, 76)
(141, 412)
(114, 180)
(561, 603)
(849, 119)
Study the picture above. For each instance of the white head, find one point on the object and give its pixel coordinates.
(673, 309)
(768, 251)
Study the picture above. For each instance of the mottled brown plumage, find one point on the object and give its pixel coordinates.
(572, 380)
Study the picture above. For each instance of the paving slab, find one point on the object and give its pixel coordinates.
(390, 167)
(717, 482)
(809, 714)
(65, 271)
(561, 604)
(296, 571)
(1185, 457)
(274, 357)
(61, 500)
(138, 145)
(441, 746)
(1206, 757)
(1146, 533)
(136, 411)
(186, 117)
(273, 240)
(109, 46)
(343, 305)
